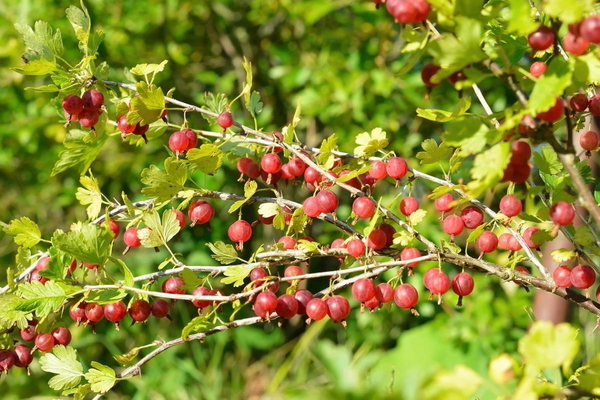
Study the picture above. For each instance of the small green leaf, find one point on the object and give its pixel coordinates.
(551, 84)
(80, 22)
(25, 231)
(433, 153)
(568, 11)
(235, 275)
(370, 143)
(460, 383)
(36, 68)
(488, 168)
(148, 69)
(88, 243)
(298, 222)
(353, 174)
(254, 105)
(541, 237)
(148, 107)
(548, 346)
(224, 253)
(165, 184)
(470, 134)
(562, 255)
(519, 18)
(307, 246)
(105, 296)
(325, 157)
(80, 148)
(198, 324)
(547, 161)
(444, 116)
(451, 247)
(62, 362)
(128, 357)
(216, 104)
(476, 233)
(416, 217)
(191, 280)
(403, 238)
(90, 195)
(583, 236)
(208, 158)
(267, 210)
(127, 275)
(160, 230)
(101, 377)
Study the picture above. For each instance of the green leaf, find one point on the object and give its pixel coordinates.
(248, 85)
(370, 143)
(208, 158)
(325, 157)
(156, 130)
(562, 255)
(41, 40)
(44, 299)
(583, 236)
(216, 104)
(254, 105)
(586, 70)
(433, 153)
(89, 243)
(90, 195)
(38, 67)
(105, 296)
(80, 149)
(460, 383)
(547, 161)
(519, 18)
(80, 22)
(101, 377)
(353, 174)
(461, 48)
(551, 84)
(235, 275)
(307, 246)
(62, 362)
(148, 107)
(191, 280)
(476, 233)
(267, 210)
(298, 222)
(444, 116)
(161, 231)
(249, 190)
(548, 346)
(25, 231)
(57, 266)
(488, 168)
(568, 11)
(128, 357)
(541, 237)
(199, 324)
(10, 312)
(441, 190)
(165, 184)
(416, 217)
(403, 238)
(148, 69)
(223, 253)
(127, 275)
(451, 247)
(470, 134)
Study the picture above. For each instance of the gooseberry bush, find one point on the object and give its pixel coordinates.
(508, 181)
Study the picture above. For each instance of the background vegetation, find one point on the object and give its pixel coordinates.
(340, 59)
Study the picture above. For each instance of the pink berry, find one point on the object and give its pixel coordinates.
(225, 120)
(408, 205)
(589, 140)
(562, 276)
(453, 225)
(562, 213)
(396, 168)
(510, 205)
(542, 38)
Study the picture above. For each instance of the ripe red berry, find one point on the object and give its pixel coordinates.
(293, 270)
(44, 342)
(115, 312)
(487, 242)
(408, 205)
(296, 166)
(437, 282)
(62, 336)
(338, 308)
(428, 71)
(265, 304)
(92, 99)
(131, 239)
(123, 126)
(22, 356)
(316, 309)
(303, 296)
(510, 205)
(200, 212)
(178, 142)
(378, 170)
(594, 105)
(408, 11)
(406, 296)
(529, 232)
(575, 45)
(311, 175)
(160, 308)
(538, 68)
(327, 200)
(72, 104)
(472, 217)
(356, 248)
(384, 292)
(562, 276)
(7, 360)
(583, 276)
(140, 310)
(443, 203)
(192, 138)
(288, 242)
(363, 207)
(408, 253)
(389, 233)
(377, 239)
(363, 290)
(311, 207)
(287, 306)
(240, 231)
(271, 163)
(225, 120)
(29, 334)
(94, 313)
(173, 285)
(77, 313)
(453, 225)
(589, 140)
(521, 152)
(141, 130)
(554, 113)
(88, 118)
(590, 29)
(507, 241)
(527, 125)
(463, 284)
(396, 167)
(542, 38)
(562, 213)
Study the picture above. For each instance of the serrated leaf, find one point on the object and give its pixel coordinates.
(307, 246)
(325, 157)
(440, 191)
(548, 346)
(470, 134)
(198, 324)
(583, 236)
(451, 247)
(224, 253)
(148, 69)
(370, 143)
(128, 357)
(519, 18)
(562, 255)
(58, 265)
(236, 205)
(90, 195)
(462, 47)
(235, 275)
(353, 174)
(250, 188)
(105, 296)
(80, 22)
(403, 238)
(80, 150)
(444, 116)
(254, 105)
(298, 221)
(127, 275)
(416, 217)
(36, 68)
(148, 107)
(165, 184)
(10, 314)
(216, 104)
(156, 129)
(551, 84)
(41, 40)
(88, 243)
(540, 237)
(25, 231)
(547, 161)
(476, 233)
(433, 153)
(248, 85)
(488, 168)
(44, 299)
(62, 362)
(101, 377)
(190, 279)
(289, 131)
(267, 210)
(160, 230)
(208, 158)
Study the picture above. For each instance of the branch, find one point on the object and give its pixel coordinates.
(585, 196)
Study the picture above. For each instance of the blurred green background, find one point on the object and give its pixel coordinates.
(340, 60)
